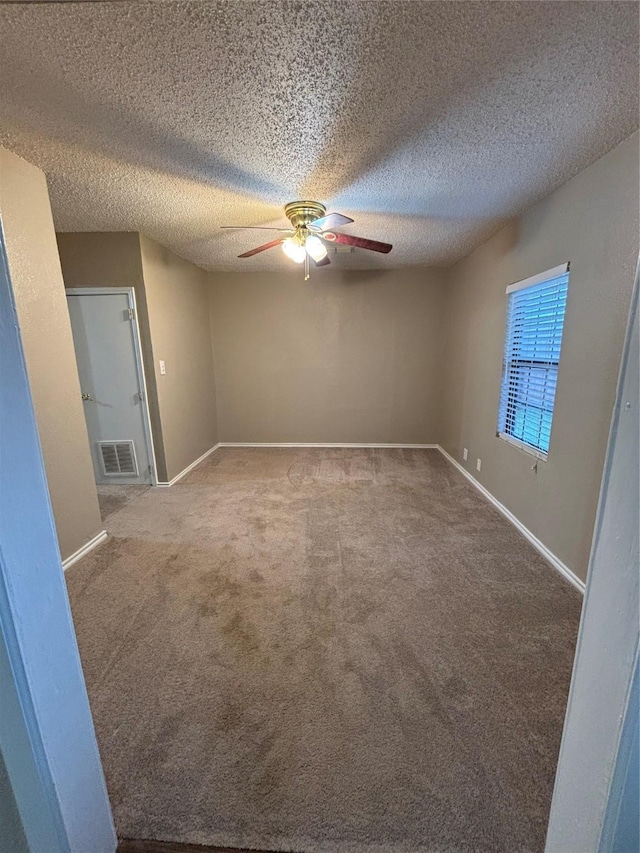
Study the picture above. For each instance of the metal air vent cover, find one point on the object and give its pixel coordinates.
(118, 458)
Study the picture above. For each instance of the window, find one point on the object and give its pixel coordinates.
(535, 316)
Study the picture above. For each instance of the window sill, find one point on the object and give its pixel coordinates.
(515, 442)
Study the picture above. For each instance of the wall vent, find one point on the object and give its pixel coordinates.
(118, 458)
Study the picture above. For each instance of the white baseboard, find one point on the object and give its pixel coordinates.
(189, 467)
(322, 444)
(88, 546)
(542, 549)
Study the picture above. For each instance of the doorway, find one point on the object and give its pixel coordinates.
(107, 345)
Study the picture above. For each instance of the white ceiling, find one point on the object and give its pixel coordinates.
(430, 123)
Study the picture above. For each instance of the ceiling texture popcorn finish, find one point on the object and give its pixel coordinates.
(430, 123)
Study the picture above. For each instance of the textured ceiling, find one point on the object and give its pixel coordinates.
(430, 123)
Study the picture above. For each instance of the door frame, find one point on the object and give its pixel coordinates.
(137, 349)
(47, 734)
(591, 774)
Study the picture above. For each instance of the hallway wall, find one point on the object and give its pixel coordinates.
(177, 294)
(41, 306)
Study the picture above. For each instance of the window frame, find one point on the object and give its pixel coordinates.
(525, 284)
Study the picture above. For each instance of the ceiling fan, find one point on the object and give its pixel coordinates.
(311, 225)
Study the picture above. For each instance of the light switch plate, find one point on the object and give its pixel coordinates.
(479, 464)
(465, 454)
(163, 367)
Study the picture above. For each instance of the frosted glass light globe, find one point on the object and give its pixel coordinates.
(293, 250)
(315, 247)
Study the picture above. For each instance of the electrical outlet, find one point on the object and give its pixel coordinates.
(465, 454)
(163, 367)
(478, 464)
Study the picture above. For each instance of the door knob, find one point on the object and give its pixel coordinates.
(88, 397)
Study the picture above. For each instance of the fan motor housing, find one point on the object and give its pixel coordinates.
(301, 213)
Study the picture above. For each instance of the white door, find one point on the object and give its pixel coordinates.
(109, 367)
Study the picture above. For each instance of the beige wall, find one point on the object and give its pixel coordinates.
(343, 357)
(36, 278)
(98, 259)
(592, 221)
(177, 295)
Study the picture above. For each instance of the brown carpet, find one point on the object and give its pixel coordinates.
(113, 498)
(325, 650)
(174, 847)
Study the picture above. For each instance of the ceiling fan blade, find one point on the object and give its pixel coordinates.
(360, 242)
(323, 261)
(256, 228)
(263, 248)
(331, 220)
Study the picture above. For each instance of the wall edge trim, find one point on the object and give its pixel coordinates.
(88, 546)
(540, 547)
(188, 468)
(324, 444)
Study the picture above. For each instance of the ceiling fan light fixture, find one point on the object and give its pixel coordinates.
(315, 248)
(294, 250)
(310, 229)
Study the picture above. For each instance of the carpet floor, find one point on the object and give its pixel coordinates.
(127, 846)
(113, 498)
(328, 651)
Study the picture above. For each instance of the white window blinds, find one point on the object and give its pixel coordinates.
(535, 317)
